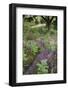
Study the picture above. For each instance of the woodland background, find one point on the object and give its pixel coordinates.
(40, 44)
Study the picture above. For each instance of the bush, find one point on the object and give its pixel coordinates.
(42, 67)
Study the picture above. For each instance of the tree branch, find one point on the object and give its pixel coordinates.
(44, 18)
(51, 19)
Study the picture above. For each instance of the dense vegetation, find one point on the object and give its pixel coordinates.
(39, 44)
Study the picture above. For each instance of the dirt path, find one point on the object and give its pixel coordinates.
(41, 56)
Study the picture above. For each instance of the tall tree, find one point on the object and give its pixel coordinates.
(48, 20)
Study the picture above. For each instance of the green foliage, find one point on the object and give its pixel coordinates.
(34, 48)
(30, 50)
(33, 42)
(42, 67)
(26, 60)
(25, 57)
(51, 40)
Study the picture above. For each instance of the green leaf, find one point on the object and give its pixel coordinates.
(42, 67)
